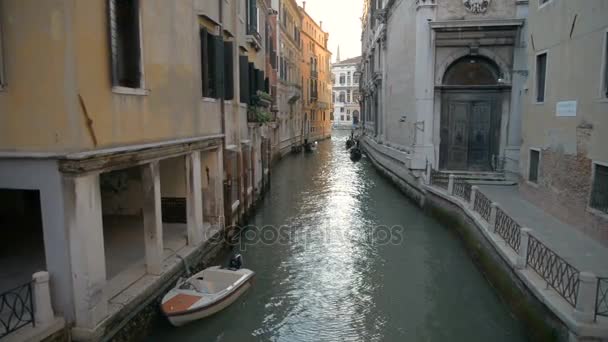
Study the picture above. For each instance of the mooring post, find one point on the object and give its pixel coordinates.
(522, 253)
(428, 173)
(584, 311)
(451, 185)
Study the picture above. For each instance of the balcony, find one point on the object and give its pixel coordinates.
(260, 115)
(294, 93)
(253, 38)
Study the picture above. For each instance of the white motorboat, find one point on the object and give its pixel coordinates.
(206, 293)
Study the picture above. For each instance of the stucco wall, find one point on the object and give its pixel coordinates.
(65, 43)
(568, 144)
(399, 78)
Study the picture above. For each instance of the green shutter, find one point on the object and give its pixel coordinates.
(244, 79)
(205, 62)
(228, 71)
(252, 81)
(218, 66)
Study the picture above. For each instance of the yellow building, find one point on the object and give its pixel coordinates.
(316, 76)
(289, 83)
(135, 129)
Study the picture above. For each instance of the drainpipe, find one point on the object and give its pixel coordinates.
(227, 190)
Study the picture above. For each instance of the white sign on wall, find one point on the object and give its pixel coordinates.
(566, 108)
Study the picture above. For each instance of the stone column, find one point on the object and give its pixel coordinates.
(153, 223)
(43, 311)
(194, 198)
(474, 190)
(451, 185)
(87, 253)
(522, 253)
(493, 210)
(585, 300)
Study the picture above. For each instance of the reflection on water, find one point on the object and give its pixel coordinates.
(336, 277)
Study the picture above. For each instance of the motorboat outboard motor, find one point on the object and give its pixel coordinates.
(236, 262)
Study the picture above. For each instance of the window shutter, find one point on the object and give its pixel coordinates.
(113, 35)
(253, 16)
(252, 81)
(205, 62)
(228, 71)
(260, 80)
(244, 79)
(217, 66)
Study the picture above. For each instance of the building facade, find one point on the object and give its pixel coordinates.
(345, 97)
(438, 97)
(316, 79)
(132, 132)
(564, 153)
(290, 116)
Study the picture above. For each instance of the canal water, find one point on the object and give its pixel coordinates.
(341, 255)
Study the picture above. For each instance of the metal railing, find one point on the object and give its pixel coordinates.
(508, 229)
(438, 179)
(16, 309)
(601, 298)
(482, 205)
(462, 189)
(557, 272)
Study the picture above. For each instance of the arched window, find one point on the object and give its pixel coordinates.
(472, 70)
(342, 97)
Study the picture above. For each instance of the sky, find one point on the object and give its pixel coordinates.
(342, 19)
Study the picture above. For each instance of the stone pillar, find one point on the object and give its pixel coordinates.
(493, 210)
(424, 81)
(43, 311)
(429, 167)
(194, 198)
(586, 298)
(522, 253)
(474, 190)
(451, 185)
(87, 253)
(153, 222)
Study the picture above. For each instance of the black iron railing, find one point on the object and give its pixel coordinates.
(462, 189)
(482, 205)
(438, 179)
(601, 298)
(508, 229)
(557, 272)
(16, 309)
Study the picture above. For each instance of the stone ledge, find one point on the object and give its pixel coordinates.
(38, 333)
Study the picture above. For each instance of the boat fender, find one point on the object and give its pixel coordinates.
(236, 262)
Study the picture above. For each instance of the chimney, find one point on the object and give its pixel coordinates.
(321, 24)
(304, 5)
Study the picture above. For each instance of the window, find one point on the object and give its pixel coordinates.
(348, 96)
(348, 111)
(342, 110)
(348, 118)
(341, 117)
(541, 75)
(252, 16)
(605, 75)
(228, 70)
(534, 166)
(244, 79)
(342, 97)
(342, 78)
(125, 43)
(212, 59)
(348, 78)
(599, 190)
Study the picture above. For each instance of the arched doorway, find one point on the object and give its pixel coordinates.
(471, 97)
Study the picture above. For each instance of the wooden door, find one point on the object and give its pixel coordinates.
(480, 135)
(458, 135)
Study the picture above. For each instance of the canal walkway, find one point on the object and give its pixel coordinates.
(568, 242)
